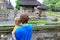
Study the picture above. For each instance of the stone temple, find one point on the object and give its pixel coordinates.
(30, 7)
(4, 13)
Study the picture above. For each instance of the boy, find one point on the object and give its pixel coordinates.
(25, 31)
(16, 26)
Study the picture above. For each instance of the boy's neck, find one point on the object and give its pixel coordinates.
(25, 24)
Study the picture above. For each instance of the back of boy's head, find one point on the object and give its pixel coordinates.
(24, 18)
(17, 22)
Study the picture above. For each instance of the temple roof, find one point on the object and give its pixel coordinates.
(42, 7)
(29, 3)
(8, 4)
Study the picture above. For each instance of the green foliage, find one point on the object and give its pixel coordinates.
(17, 4)
(54, 5)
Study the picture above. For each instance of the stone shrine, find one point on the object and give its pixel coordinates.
(3, 11)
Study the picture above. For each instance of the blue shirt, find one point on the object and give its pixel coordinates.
(24, 32)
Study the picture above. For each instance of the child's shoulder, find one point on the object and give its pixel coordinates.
(16, 27)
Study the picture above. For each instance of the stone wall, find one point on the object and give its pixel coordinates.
(44, 34)
(37, 35)
(52, 35)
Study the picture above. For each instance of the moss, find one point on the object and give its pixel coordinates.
(35, 28)
(38, 22)
(55, 27)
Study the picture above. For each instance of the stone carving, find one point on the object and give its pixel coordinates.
(3, 12)
(15, 11)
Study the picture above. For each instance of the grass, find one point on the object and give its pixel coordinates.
(43, 22)
(38, 22)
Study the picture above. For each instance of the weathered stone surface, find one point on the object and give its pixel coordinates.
(46, 35)
(3, 12)
(37, 35)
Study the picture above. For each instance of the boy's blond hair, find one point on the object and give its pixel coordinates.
(17, 21)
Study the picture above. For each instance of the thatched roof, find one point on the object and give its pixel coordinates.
(42, 7)
(29, 3)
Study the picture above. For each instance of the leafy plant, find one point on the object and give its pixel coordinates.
(54, 5)
(17, 4)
